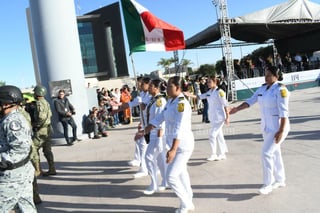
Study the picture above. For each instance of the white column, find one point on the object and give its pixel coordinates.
(56, 40)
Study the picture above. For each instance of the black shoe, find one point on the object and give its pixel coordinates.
(76, 139)
(96, 137)
(69, 142)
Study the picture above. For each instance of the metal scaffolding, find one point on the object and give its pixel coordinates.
(222, 12)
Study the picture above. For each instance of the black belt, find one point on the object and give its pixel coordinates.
(18, 164)
(23, 162)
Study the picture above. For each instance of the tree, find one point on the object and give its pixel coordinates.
(165, 63)
(186, 62)
(206, 70)
(2, 83)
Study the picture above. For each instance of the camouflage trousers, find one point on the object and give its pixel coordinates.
(16, 190)
(41, 139)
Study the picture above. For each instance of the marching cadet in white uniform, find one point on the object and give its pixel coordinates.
(156, 150)
(140, 145)
(218, 115)
(180, 139)
(273, 99)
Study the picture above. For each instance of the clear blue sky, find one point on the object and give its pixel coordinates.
(190, 16)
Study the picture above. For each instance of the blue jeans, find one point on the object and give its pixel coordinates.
(65, 123)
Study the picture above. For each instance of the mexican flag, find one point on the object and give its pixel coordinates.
(148, 33)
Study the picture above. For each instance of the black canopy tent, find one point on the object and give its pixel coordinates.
(293, 25)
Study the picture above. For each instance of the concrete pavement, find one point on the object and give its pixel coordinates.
(93, 175)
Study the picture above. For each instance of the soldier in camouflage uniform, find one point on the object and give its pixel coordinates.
(36, 194)
(41, 124)
(16, 170)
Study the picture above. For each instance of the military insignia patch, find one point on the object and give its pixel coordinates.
(159, 102)
(221, 93)
(283, 93)
(15, 126)
(180, 107)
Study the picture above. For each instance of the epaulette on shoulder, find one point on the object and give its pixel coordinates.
(181, 98)
(281, 85)
(264, 84)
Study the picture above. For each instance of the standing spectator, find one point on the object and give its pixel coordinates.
(288, 62)
(204, 89)
(197, 91)
(16, 170)
(278, 62)
(305, 62)
(298, 61)
(180, 139)
(261, 65)
(99, 94)
(125, 98)
(135, 109)
(237, 69)
(65, 111)
(224, 68)
(273, 99)
(218, 115)
(116, 98)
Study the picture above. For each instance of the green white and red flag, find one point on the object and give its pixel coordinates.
(146, 32)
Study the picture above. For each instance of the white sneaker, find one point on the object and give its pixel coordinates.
(265, 190)
(140, 174)
(185, 209)
(161, 188)
(134, 163)
(213, 158)
(222, 157)
(276, 185)
(190, 207)
(181, 210)
(148, 191)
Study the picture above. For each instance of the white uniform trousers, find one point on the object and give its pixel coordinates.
(216, 139)
(178, 178)
(272, 163)
(155, 159)
(140, 152)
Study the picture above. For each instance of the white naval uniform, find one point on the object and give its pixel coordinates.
(216, 103)
(177, 116)
(156, 150)
(273, 106)
(141, 145)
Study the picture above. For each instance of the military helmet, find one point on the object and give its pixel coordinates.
(10, 95)
(40, 90)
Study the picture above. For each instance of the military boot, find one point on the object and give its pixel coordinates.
(36, 199)
(51, 171)
(36, 196)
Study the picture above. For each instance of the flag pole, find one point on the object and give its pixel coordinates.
(134, 70)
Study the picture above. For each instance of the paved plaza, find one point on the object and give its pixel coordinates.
(93, 175)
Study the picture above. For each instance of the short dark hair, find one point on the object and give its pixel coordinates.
(61, 90)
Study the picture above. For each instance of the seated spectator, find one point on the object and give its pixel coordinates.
(94, 125)
(104, 114)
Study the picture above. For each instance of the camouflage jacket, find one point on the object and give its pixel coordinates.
(42, 114)
(15, 137)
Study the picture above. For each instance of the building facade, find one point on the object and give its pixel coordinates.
(102, 43)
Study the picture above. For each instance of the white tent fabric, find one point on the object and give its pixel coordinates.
(292, 21)
(290, 11)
